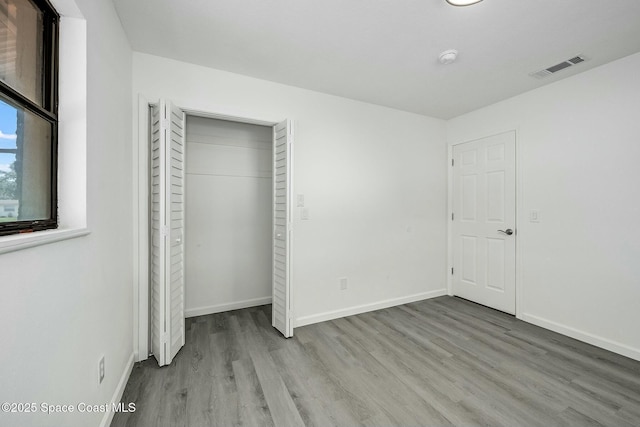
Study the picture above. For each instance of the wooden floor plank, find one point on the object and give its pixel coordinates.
(439, 362)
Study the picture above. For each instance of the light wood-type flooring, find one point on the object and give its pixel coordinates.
(440, 362)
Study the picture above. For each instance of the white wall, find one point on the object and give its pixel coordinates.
(374, 180)
(228, 215)
(66, 304)
(578, 152)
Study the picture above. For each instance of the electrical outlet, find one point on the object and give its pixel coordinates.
(300, 200)
(344, 282)
(101, 370)
(304, 214)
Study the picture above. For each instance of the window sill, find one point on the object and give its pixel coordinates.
(18, 242)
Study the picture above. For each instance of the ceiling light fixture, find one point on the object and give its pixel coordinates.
(463, 2)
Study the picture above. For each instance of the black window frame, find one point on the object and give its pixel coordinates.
(48, 111)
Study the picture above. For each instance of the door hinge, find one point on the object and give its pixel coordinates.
(451, 270)
(451, 162)
(164, 231)
(451, 216)
(163, 338)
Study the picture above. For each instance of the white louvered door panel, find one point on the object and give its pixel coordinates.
(167, 251)
(175, 216)
(157, 236)
(282, 155)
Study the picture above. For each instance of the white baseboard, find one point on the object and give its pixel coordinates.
(117, 395)
(219, 308)
(607, 344)
(358, 309)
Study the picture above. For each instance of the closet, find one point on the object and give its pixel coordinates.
(219, 227)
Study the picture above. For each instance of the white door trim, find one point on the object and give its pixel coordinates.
(141, 233)
(141, 209)
(519, 212)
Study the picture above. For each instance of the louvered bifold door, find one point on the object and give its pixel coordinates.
(175, 223)
(167, 223)
(282, 155)
(157, 267)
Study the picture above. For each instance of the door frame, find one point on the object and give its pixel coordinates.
(519, 210)
(141, 255)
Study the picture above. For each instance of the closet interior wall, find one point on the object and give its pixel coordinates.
(228, 215)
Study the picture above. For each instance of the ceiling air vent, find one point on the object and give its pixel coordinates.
(558, 67)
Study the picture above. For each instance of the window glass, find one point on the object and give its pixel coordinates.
(28, 116)
(25, 165)
(21, 48)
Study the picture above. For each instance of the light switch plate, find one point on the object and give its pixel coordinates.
(304, 214)
(300, 200)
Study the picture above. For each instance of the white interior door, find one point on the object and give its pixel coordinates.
(282, 155)
(484, 215)
(167, 229)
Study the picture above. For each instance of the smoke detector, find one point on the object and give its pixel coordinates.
(448, 56)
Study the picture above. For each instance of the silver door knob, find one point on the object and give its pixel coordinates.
(279, 235)
(508, 231)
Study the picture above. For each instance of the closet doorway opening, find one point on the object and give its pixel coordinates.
(228, 215)
(219, 222)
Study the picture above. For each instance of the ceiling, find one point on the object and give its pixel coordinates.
(386, 52)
